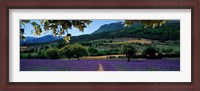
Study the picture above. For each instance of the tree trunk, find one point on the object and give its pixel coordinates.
(128, 60)
(78, 58)
(69, 58)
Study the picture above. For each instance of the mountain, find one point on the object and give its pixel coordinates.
(113, 27)
(169, 31)
(27, 39)
(109, 27)
(43, 39)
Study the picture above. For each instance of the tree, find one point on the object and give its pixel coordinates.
(80, 50)
(52, 53)
(67, 51)
(92, 50)
(40, 54)
(129, 50)
(150, 52)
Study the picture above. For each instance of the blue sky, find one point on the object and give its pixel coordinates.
(90, 29)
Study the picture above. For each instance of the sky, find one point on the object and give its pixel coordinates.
(96, 24)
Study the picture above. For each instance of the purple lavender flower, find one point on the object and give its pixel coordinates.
(93, 65)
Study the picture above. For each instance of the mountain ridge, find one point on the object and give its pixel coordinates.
(43, 39)
(109, 27)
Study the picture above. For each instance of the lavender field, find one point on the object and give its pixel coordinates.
(100, 65)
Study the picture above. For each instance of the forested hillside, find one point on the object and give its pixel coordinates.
(169, 31)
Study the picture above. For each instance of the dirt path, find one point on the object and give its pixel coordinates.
(100, 67)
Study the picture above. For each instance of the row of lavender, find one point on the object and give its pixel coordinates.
(92, 65)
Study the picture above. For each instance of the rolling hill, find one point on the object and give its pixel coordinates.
(43, 39)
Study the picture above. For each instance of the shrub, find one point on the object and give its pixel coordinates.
(52, 53)
(150, 52)
(139, 56)
(29, 56)
(93, 51)
(40, 54)
(160, 55)
(177, 53)
(174, 54)
(23, 56)
(115, 51)
(121, 56)
(103, 52)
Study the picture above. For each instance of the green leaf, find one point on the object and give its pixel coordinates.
(23, 38)
(34, 24)
(22, 31)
